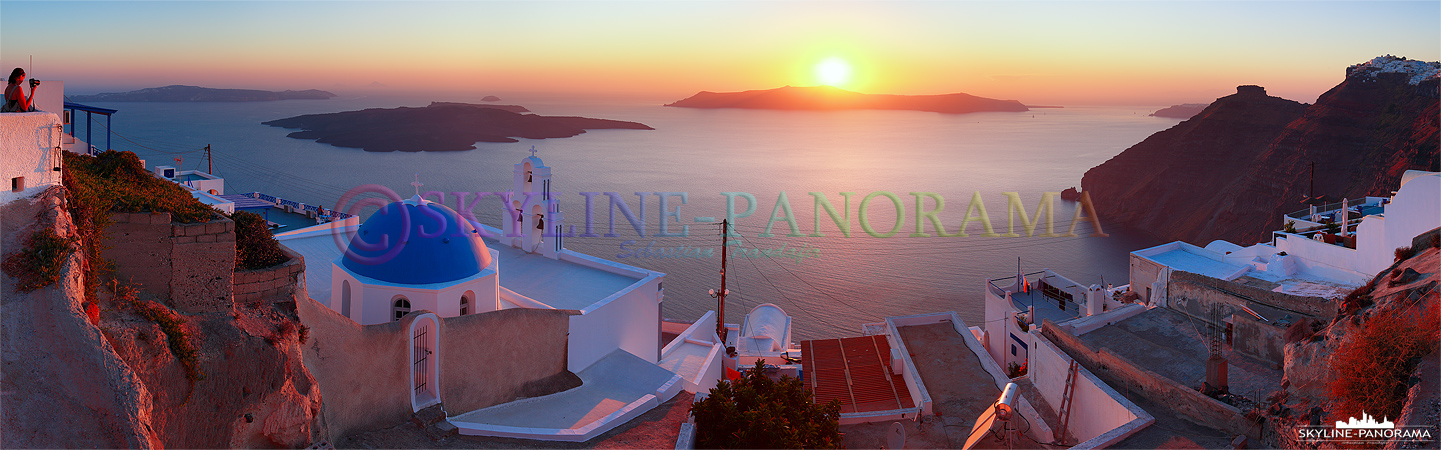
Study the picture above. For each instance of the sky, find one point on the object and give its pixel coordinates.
(1041, 53)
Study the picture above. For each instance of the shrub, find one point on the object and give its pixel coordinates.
(1373, 364)
(40, 262)
(1357, 299)
(1405, 253)
(182, 344)
(1015, 370)
(1302, 330)
(255, 247)
(118, 182)
(756, 412)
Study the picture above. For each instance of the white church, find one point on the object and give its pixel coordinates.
(417, 254)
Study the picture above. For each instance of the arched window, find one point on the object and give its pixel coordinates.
(345, 298)
(464, 305)
(400, 308)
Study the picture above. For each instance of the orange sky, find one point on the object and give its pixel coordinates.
(1036, 52)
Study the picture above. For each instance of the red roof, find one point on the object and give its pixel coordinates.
(855, 371)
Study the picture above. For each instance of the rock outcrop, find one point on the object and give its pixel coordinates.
(1367, 323)
(830, 98)
(439, 127)
(1182, 111)
(117, 380)
(1231, 171)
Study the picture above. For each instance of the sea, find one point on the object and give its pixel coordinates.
(700, 159)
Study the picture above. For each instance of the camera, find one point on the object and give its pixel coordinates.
(33, 83)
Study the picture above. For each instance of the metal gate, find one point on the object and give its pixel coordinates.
(421, 369)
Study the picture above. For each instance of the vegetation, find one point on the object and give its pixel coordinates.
(255, 247)
(182, 344)
(117, 181)
(39, 263)
(757, 412)
(1015, 370)
(1373, 364)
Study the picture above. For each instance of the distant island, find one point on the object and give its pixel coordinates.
(831, 98)
(1182, 111)
(439, 127)
(181, 93)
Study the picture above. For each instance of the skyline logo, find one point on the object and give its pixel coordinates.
(1366, 431)
(1367, 421)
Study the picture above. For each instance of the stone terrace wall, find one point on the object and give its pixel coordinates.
(189, 264)
(1121, 372)
(485, 359)
(1211, 290)
(272, 284)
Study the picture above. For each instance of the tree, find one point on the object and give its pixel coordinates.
(757, 412)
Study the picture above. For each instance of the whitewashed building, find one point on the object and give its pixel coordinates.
(445, 266)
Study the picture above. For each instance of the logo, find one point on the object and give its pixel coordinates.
(1366, 422)
(1366, 431)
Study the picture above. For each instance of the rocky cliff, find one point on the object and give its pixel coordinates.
(136, 373)
(1231, 171)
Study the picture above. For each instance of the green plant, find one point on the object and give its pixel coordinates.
(757, 412)
(181, 343)
(1333, 228)
(39, 264)
(1015, 370)
(255, 247)
(1290, 227)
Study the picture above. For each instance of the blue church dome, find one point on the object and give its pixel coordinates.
(422, 243)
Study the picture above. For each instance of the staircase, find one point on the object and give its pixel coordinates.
(432, 420)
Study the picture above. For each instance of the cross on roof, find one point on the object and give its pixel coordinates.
(532, 150)
(417, 184)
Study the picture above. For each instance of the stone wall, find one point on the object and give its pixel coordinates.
(1195, 295)
(1259, 340)
(191, 265)
(1121, 372)
(272, 284)
(485, 359)
(1211, 290)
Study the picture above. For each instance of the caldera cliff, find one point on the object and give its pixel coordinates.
(1231, 171)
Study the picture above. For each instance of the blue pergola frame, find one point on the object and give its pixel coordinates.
(89, 110)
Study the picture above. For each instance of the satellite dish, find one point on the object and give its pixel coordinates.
(896, 438)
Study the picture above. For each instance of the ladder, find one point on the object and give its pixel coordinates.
(1066, 401)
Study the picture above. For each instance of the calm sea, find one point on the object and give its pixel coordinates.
(830, 284)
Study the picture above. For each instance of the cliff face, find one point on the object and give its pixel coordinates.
(118, 380)
(1231, 171)
(1164, 184)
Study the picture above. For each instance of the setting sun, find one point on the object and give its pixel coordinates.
(833, 72)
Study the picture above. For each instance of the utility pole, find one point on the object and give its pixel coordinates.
(209, 165)
(720, 326)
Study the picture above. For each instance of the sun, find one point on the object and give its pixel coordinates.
(834, 72)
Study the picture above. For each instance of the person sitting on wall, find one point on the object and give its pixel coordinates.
(15, 98)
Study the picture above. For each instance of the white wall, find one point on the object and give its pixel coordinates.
(628, 320)
(370, 300)
(29, 141)
(1096, 409)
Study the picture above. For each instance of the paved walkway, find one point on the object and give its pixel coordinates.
(615, 389)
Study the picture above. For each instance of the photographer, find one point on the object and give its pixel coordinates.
(15, 98)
